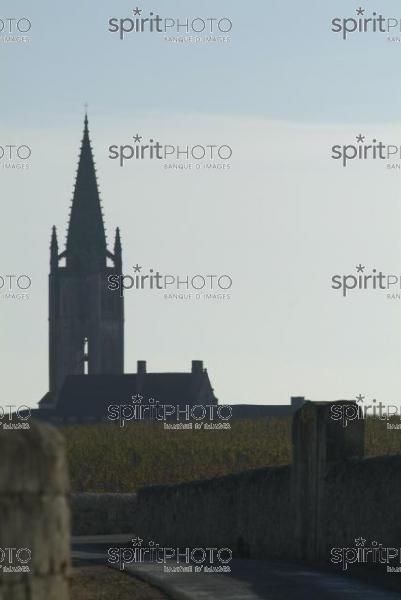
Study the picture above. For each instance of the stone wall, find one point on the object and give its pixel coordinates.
(329, 496)
(34, 516)
(225, 509)
(250, 512)
(362, 499)
(103, 513)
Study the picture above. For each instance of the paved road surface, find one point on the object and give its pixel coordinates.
(249, 580)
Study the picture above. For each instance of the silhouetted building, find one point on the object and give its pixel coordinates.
(86, 328)
(86, 322)
(248, 411)
(87, 397)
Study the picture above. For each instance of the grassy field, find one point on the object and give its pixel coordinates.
(379, 440)
(106, 458)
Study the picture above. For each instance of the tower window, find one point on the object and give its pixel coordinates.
(86, 356)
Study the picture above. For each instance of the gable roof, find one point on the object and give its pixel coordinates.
(90, 395)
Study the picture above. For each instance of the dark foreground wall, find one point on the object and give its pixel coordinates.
(34, 516)
(230, 510)
(362, 499)
(103, 513)
(251, 513)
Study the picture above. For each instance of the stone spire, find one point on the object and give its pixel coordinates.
(86, 239)
(53, 251)
(117, 251)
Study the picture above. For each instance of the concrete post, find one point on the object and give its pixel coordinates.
(321, 435)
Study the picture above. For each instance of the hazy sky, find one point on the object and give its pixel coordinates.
(281, 221)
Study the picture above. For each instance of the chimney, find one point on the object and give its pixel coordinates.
(297, 402)
(141, 367)
(197, 366)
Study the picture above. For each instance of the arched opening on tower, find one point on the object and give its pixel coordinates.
(86, 356)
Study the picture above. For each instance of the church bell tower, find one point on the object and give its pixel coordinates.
(86, 320)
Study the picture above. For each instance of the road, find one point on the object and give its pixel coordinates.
(249, 579)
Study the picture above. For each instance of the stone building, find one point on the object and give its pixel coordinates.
(86, 321)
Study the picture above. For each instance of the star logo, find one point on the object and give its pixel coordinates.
(137, 11)
(360, 138)
(360, 11)
(137, 268)
(359, 268)
(360, 542)
(136, 542)
(137, 138)
(137, 399)
(360, 398)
